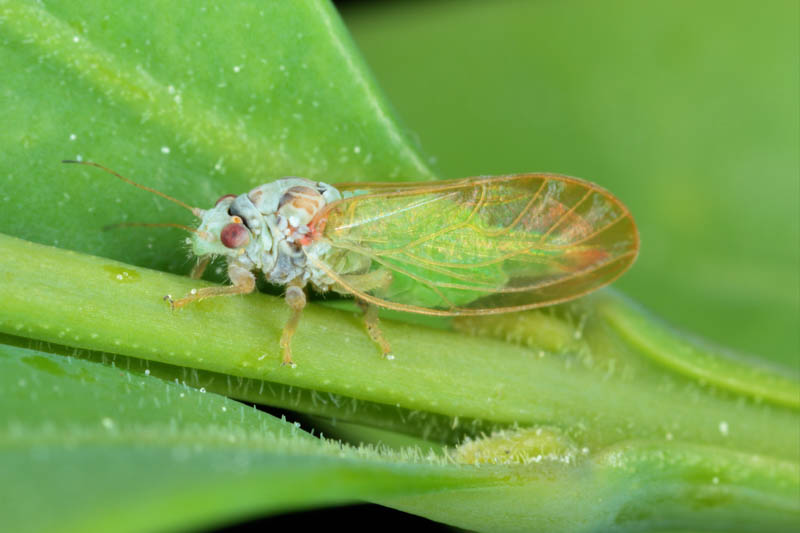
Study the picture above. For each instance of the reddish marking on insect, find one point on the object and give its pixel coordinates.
(581, 259)
(234, 235)
(223, 197)
(316, 227)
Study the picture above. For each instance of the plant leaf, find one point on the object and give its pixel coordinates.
(198, 101)
(88, 447)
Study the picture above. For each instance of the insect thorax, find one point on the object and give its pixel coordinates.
(277, 216)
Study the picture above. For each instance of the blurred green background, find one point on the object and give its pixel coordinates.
(686, 110)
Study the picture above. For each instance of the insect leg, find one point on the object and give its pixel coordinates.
(296, 300)
(200, 267)
(243, 282)
(374, 328)
(375, 280)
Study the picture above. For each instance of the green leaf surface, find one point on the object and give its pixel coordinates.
(88, 447)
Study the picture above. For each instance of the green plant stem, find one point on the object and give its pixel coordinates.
(698, 450)
(98, 304)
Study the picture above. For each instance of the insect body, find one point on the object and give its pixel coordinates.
(462, 247)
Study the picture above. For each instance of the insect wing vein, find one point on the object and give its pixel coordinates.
(479, 245)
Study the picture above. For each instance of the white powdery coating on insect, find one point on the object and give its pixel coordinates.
(723, 428)
(165, 149)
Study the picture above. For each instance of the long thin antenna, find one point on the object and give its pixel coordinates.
(202, 234)
(196, 211)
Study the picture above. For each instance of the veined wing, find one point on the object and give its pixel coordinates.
(477, 245)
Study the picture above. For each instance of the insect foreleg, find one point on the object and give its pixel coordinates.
(200, 267)
(296, 300)
(243, 282)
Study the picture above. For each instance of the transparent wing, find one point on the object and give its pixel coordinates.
(478, 245)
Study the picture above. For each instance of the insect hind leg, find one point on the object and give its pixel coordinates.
(372, 323)
(375, 280)
(371, 281)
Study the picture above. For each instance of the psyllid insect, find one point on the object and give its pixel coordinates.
(472, 246)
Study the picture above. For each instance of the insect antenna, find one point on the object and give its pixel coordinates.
(202, 234)
(196, 211)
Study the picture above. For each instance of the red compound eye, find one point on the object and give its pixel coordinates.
(224, 197)
(234, 236)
